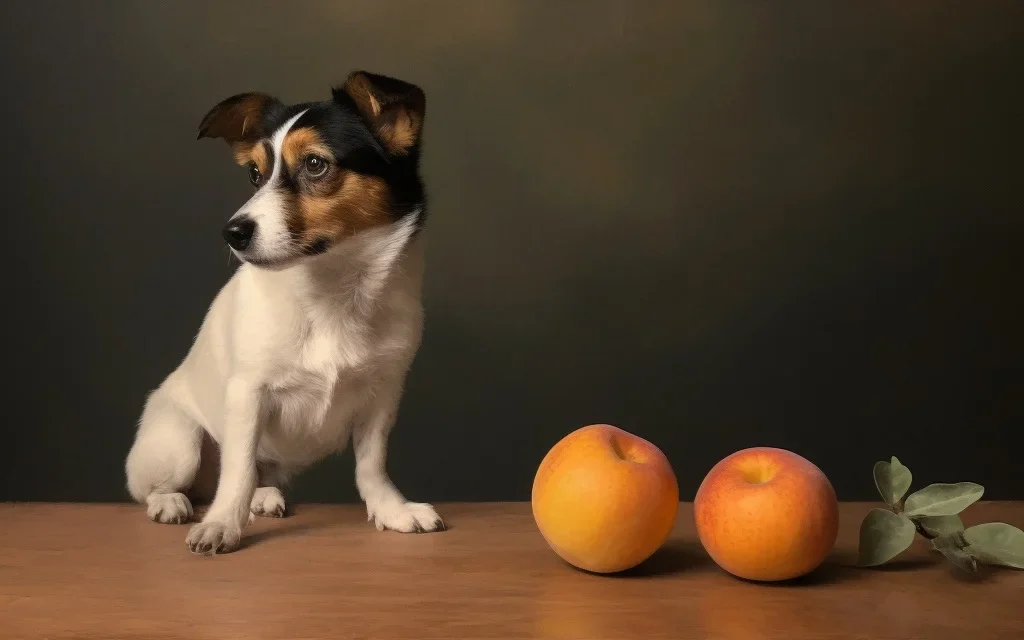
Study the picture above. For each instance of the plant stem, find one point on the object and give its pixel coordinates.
(922, 532)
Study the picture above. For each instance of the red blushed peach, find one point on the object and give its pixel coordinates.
(766, 514)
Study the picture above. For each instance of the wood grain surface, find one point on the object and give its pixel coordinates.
(105, 572)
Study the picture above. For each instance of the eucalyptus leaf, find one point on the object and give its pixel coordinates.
(883, 536)
(901, 479)
(936, 526)
(892, 480)
(952, 546)
(942, 499)
(996, 543)
(883, 481)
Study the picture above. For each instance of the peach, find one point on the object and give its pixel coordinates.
(766, 514)
(604, 499)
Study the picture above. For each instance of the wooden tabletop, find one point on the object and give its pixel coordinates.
(105, 571)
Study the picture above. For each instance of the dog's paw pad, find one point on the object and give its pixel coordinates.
(208, 538)
(406, 517)
(168, 508)
(268, 502)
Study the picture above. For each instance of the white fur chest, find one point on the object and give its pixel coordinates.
(337, 354)
(310, 405)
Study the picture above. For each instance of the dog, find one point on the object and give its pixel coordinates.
(310, 341)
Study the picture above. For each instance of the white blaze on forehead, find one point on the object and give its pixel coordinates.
(277, 142)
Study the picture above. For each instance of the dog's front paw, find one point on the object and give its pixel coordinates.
(405, 517)
(209, 538)
(269, 502)
(168, 508)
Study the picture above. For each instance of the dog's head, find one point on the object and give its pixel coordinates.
(322, 171)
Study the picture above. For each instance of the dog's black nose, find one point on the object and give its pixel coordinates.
(238, 234)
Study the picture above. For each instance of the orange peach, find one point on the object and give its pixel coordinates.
(766, 514)
(604, 499)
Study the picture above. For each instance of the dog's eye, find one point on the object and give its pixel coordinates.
(315, 166)
(255, 177)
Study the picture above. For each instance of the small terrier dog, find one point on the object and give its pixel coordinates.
(312, 337)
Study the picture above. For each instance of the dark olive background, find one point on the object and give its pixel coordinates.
(714, 224)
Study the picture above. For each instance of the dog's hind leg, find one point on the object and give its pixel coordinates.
(164, 459)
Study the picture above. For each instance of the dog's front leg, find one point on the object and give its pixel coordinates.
(221, 528)
(385, 504)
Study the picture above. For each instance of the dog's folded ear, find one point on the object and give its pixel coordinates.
(394, 109)
(239, 119)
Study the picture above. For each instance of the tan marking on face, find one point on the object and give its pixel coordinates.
(354, 203)
(301, 142)
(255, 152)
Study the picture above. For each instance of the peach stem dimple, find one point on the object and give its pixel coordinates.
(620, 452)
(758, 472)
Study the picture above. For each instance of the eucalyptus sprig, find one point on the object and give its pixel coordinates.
(934, 513)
